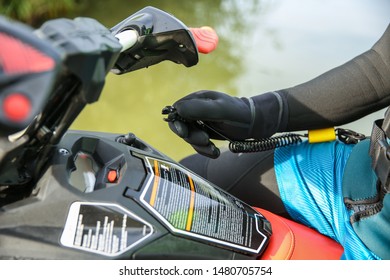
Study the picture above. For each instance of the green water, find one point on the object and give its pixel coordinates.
(263, 45)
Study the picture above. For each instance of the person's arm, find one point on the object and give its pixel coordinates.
(341, 95)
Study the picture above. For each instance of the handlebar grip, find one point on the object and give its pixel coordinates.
(206, 38)
(127, 38)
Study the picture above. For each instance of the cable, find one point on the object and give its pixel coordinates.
(253, 146)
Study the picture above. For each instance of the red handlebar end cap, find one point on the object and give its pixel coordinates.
(206, 39)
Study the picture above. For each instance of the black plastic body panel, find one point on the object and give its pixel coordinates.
(32, 228)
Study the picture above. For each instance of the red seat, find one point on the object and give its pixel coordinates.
(294, 241)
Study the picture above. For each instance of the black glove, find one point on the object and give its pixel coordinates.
(208, 114)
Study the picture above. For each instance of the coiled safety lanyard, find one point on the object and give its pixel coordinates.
(258, 145)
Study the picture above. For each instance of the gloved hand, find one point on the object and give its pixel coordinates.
(206, 115)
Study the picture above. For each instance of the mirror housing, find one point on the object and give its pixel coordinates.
(161, 37)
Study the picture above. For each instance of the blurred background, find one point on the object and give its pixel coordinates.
(264, 45)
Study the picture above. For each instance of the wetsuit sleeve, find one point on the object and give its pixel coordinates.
(341, 95)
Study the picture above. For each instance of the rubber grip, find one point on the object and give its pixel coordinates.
(206, 39)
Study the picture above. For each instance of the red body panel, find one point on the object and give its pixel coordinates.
(294, 241)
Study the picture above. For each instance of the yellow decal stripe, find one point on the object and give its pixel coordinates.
(191, 208)
(155, 183)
